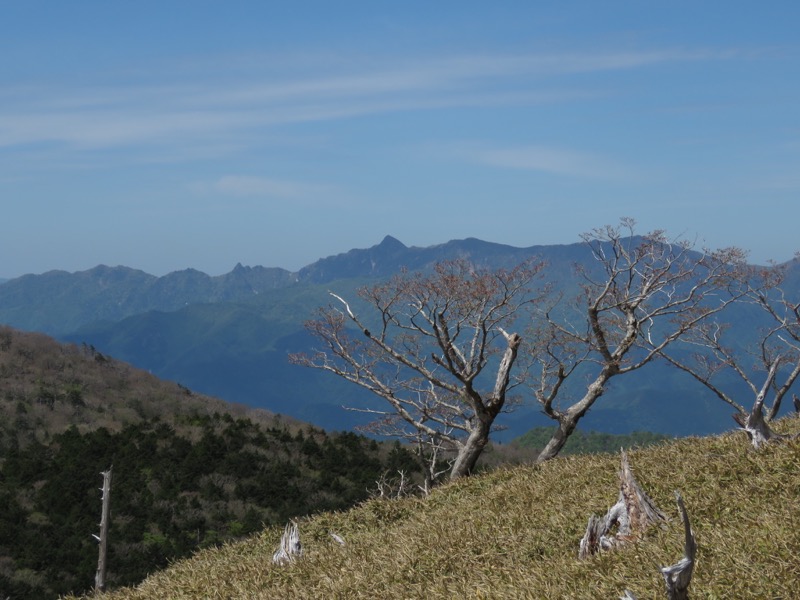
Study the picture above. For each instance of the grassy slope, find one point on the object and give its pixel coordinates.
(513, 533)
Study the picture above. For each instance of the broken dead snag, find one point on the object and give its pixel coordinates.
(678, 577)
(290, 547)
(633, 513)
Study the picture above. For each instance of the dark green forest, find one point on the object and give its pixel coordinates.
(590, 442)
(189, 471)
(172, 494)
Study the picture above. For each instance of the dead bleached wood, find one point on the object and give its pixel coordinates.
(595, 538)
(639, 507)
(290, 547)
(337, 538)
(757, 428)
(633, 513)
(679, 576)
(100, 575)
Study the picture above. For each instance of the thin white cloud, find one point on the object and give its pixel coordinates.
(259, 191)
(243, 185)
(441, 74)
(546, 159)
(106, 116)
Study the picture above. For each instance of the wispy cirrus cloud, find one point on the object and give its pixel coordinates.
(195, 109)
(258, 187)
(541, 158)
(244, 185)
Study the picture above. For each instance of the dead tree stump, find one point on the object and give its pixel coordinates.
(633, 513)
(290, 547)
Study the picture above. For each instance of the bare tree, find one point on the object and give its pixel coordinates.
(768, 366)
(433, 348)
(641, 295)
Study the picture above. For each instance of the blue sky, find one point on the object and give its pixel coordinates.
(166, 135)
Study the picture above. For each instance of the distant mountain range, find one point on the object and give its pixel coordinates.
(229, 336)
(59, 303)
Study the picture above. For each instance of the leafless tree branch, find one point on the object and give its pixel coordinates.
(642, 295)
(435, 349)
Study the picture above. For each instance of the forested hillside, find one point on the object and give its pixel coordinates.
(45, 387)
(188, 471)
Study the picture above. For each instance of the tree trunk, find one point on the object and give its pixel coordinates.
(639, 507)
(754, 423)
(470, 451)
(568, 421)
(100, 575)
(757, 429)
(557, 441)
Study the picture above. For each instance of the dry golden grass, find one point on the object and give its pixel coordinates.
(514, 533)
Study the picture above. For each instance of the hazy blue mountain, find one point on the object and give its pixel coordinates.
(229, 336)
(58, 302)
(388, 257)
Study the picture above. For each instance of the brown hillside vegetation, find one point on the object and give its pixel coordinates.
(189, 471)
(514, 533)
(46, 386)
